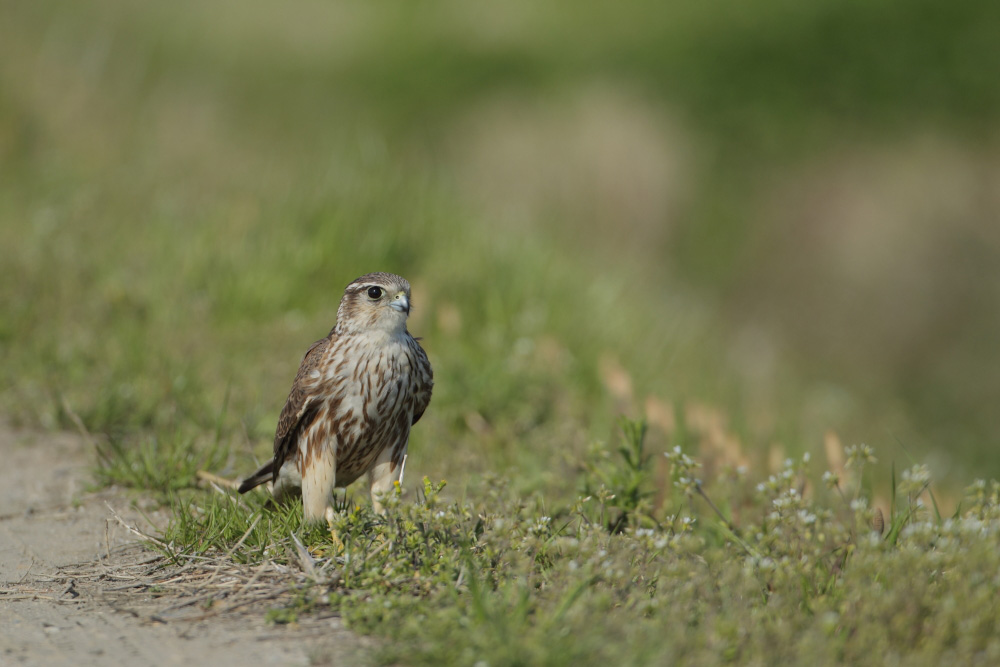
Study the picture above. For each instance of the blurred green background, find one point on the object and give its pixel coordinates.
(779, 214)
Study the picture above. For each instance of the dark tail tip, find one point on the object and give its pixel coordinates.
(265, 474)
(247, 484)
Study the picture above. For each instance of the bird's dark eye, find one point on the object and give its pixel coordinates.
(374, 292)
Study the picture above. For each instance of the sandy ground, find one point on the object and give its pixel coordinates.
(57, 606)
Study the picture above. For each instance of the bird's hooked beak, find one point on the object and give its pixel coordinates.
(401, 303)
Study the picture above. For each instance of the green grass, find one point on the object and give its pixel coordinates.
(750, 226)
(802, 577)
(158, 466)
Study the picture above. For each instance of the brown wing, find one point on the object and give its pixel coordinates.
(300, 408)
(425, 382)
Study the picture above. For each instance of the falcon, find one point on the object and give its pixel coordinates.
(356, 395)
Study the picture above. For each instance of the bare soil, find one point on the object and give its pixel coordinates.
(78, 587)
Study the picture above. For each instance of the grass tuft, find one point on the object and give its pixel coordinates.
(798, 575)
(158, 465)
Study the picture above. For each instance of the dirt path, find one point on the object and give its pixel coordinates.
(60, 603)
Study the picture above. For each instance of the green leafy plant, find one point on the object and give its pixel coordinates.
(622, 484)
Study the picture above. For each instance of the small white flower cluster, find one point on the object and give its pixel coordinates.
(806, 517)
(541, 526)
(945, 535)
(923, 531)
(859, 455)
(679, 458)
(653, 538)
(983, 498)
(777, 483)
(684, 467)
(762, 563)
(914, 480)
(788, 499)
(791, 503)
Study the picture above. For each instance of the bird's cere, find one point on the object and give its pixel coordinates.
(401, 303)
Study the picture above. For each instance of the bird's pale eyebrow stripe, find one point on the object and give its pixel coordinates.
(361, 287)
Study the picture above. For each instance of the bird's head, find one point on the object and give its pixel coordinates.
(375, 302)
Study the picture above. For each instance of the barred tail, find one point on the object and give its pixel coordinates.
(265, 474)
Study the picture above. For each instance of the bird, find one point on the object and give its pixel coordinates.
(355, 396)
